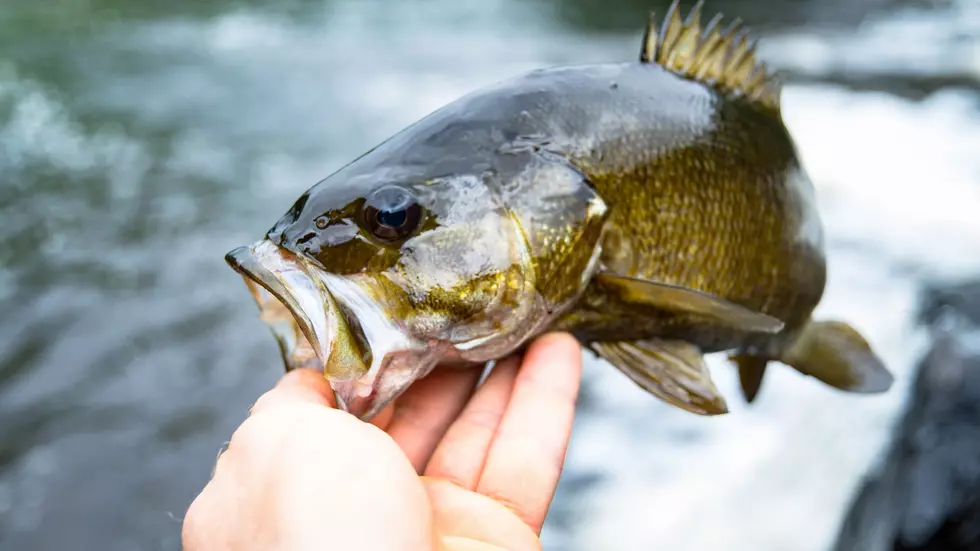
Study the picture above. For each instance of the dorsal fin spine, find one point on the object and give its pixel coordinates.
(649, 49)
(725, 60)
(694, 17)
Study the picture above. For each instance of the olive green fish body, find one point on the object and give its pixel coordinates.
(655, 209)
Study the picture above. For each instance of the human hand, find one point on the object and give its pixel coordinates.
(444, 469)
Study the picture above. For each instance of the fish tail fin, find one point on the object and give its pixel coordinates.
(673, 371)
(725, 60)
(835, 353)
(751, 371)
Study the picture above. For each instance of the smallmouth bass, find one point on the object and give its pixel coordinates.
(657, 210)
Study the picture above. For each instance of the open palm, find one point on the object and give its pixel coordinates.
(450, 467)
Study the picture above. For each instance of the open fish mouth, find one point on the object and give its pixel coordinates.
(331, 324)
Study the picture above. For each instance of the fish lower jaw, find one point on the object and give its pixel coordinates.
(355, 397)
(367, 396)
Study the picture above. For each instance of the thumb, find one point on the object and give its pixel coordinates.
(302, 386)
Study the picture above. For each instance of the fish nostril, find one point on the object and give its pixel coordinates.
(275, 235)
(305, 239)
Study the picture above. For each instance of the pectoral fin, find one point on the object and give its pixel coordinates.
(674, 371)
(685, 300)
(835, 353)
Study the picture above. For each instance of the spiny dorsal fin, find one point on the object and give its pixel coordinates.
(725, 59)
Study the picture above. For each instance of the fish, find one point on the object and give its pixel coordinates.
(656, 209)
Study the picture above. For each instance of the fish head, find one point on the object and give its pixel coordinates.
(375, 280)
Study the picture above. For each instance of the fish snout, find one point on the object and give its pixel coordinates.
(336, 325)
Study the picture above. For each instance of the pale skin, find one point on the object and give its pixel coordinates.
(450, 467)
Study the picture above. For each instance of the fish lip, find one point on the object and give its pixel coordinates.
(264, 264)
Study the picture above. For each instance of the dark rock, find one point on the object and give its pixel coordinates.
(961, 301)
(926, 496)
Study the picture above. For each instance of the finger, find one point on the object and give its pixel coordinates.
(496, 529)
(528, 451)
(383, 419)
(302, 386)
(299, 386)
(463, 450)
(320, 386)
(422, 415)
(198, 519)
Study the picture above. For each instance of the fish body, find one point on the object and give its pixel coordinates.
(657, 210)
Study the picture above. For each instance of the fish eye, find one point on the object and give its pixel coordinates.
(391, 213)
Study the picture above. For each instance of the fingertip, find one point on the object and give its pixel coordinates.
(554, 359)
(299, 386)
(558, 339)
(314, 381)
(305, 378)
(556, 348)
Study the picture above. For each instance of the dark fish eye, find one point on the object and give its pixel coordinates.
(392, 213)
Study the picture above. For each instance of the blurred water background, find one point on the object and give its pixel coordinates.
(141, 140)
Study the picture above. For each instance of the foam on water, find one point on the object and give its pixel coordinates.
(902, 178)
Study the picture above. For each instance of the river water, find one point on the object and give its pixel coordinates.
(142, 140)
